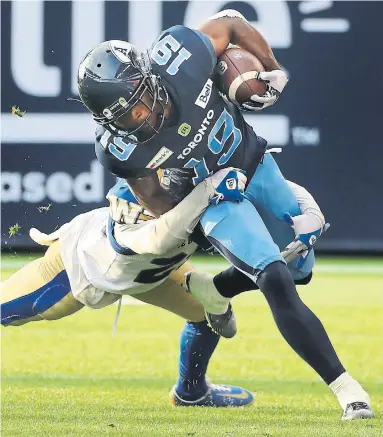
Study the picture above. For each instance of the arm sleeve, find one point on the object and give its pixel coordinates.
(306, 202)
(165, 233)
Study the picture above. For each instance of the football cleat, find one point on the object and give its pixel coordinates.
(218, 310)
(357, 410)
(223, 324)
(216, 396)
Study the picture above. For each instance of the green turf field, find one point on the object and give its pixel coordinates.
(70, 378)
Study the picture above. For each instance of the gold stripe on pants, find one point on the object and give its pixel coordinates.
(171, 296)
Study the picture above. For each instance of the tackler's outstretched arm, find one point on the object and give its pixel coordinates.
(162, 234)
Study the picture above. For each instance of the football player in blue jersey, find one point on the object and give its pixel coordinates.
(163, 110)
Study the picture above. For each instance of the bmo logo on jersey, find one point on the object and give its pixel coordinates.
(160, 157)
(205, 94)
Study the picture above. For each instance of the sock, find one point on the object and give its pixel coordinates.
(300, 327)
(232, 282)
(348, 390)
(197, 345)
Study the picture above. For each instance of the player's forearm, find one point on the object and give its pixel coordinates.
(230, 27)
(174, 227)
(161, 235)
(247, 37)
(306, 202)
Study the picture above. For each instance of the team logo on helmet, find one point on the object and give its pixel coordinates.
(121, 50)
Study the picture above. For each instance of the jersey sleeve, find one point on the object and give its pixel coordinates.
(114, 153)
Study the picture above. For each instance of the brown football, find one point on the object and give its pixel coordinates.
(235, 75)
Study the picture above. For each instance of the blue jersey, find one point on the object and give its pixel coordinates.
(210, 132)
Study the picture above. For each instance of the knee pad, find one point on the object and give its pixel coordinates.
(32, 306)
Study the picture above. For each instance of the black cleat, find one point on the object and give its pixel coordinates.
(223, 324)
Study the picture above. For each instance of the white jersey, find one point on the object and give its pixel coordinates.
(110, 252)
(93, 266)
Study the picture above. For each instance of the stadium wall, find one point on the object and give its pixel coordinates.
(327, 122)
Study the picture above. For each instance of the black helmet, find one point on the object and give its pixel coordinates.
(112, 78)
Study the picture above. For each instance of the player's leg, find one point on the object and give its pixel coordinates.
(38, 291)
(197, 344)
(269, 191)
(305, 333)
(239, 233)
(273, 197)
(171, 296)
(232, 282)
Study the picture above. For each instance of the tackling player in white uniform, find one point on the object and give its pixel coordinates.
(98, 257)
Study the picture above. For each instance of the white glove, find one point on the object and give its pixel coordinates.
(275, 81)
(307, 228)
(229, 184)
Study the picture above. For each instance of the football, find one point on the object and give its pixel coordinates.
(235, 73)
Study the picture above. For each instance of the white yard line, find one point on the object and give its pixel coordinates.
(116, 378)
(355, 269)
(372, 269)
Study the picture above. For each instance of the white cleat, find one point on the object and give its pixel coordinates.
(218, 310)
(357, 410)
